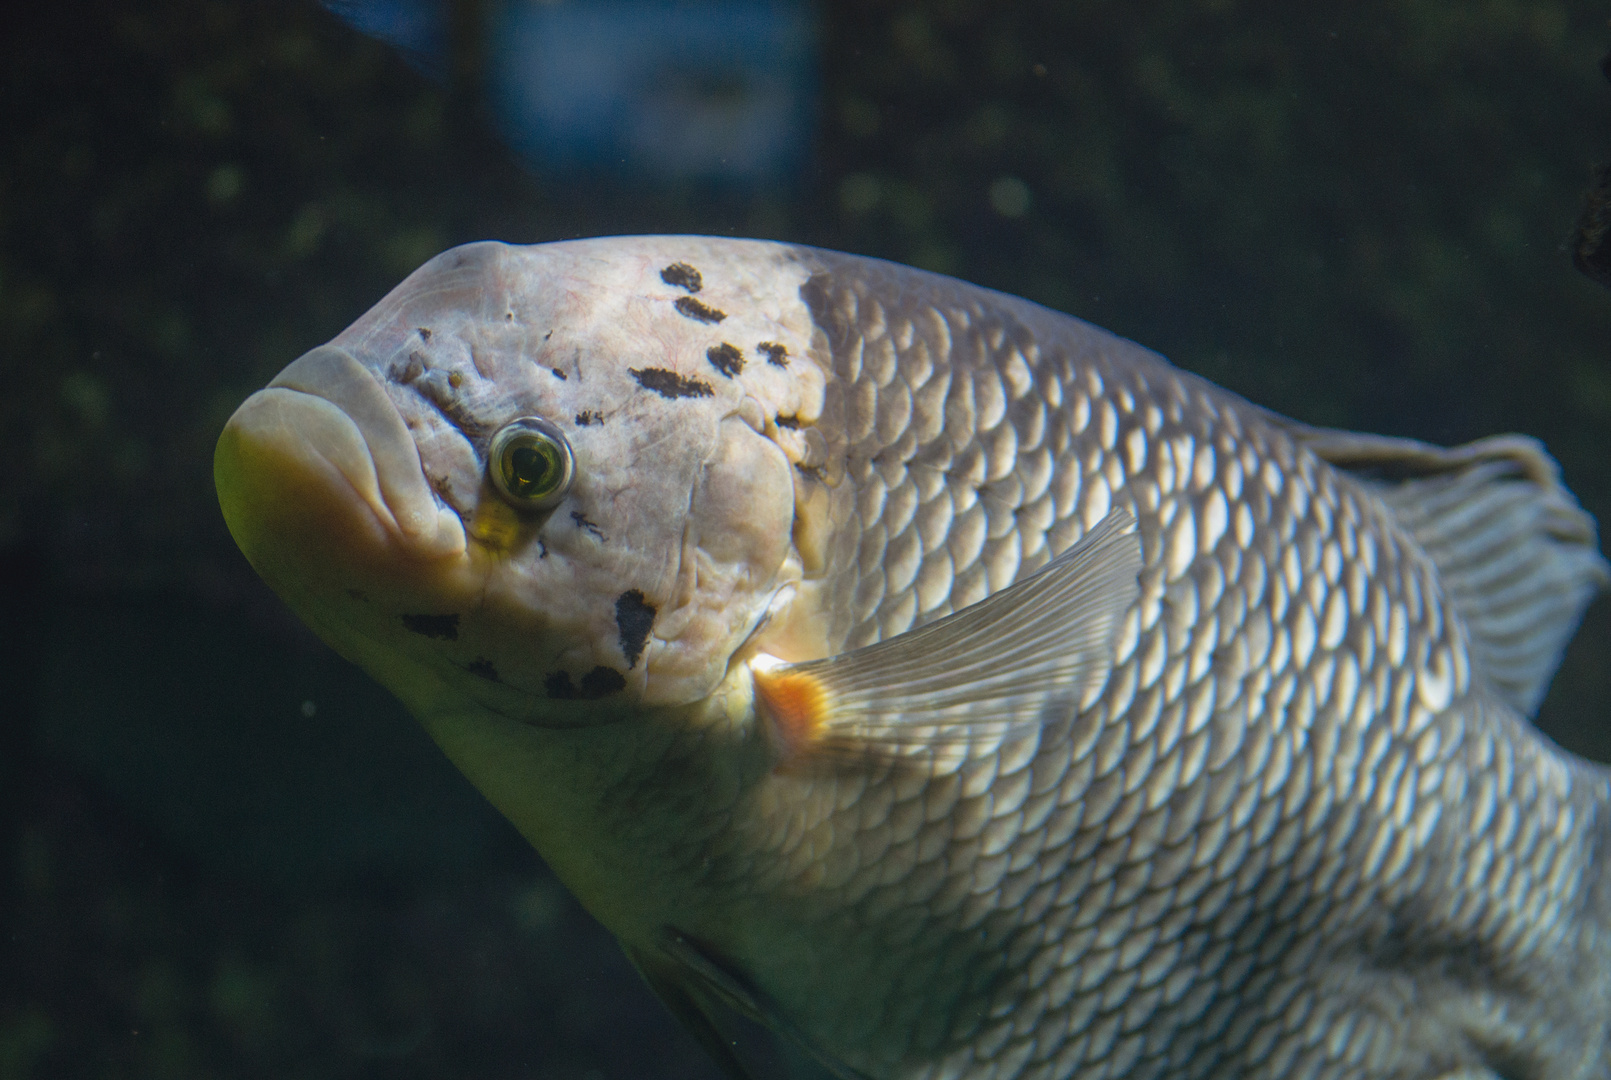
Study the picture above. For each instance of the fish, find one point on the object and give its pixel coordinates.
(949, 685)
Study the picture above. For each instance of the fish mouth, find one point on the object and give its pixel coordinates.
(318, 475)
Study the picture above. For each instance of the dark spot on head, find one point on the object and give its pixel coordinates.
(582, 523)
(357, 594)
(559, 686)
(668, 384)
(595, 684)
(445, 627)
(814, 472)
(777, 355)
(698, 311)
(588, 416)
(790, 422)
(542, 549)
(455, 379)
(508, 316)
(558, 374)
(634, 615)
(425, 333)
(725, 359)
(602, 680)
(683, 276)
(440, 390)
(483, 667)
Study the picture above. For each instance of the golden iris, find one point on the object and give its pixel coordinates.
(531, 463)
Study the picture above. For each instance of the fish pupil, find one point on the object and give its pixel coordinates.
(532, 469)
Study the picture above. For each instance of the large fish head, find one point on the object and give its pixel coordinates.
(538, 479)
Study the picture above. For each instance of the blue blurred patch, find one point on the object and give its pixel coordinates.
(709, 89)
(719, 90)
(415, 28)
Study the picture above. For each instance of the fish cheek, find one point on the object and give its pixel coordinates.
(739, 525)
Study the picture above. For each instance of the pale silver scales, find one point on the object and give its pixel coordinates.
(1288, 751)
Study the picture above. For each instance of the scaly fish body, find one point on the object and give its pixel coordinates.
(957, 688)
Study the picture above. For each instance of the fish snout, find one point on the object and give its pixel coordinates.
(320, 466)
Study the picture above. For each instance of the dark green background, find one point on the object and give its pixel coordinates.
(225, 852)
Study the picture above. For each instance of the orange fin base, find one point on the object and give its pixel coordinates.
(795, 702)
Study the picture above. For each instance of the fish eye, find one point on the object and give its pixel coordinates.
(531, 463)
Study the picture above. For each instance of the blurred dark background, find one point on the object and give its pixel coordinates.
(223, 852)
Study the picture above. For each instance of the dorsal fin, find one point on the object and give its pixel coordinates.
(1516, 554)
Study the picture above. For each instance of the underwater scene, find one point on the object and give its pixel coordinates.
(226, 851)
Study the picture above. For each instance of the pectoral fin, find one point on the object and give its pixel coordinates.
(670, 986)
(704, 976)
(1014, 661)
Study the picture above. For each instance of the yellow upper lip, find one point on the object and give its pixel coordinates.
(326, 410)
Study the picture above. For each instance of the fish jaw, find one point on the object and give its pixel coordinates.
(321, 487)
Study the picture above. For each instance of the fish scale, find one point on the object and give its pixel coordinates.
(1297, 504)
(1279, 815)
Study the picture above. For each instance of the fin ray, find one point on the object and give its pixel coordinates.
(689, 1011)
(992, 671)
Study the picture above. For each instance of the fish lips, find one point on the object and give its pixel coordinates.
(318, 475)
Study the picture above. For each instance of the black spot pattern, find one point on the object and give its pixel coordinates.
(777, 355)
(483, 667)
(595, 684)
(698, 311)
(559, 686)
(669, 384)
(445, 627)
(790, 422)
(634, 616)
(726, 359)
(683, 276)
(425, 333)
(588, 417)
(582, 523)
(558, 374)
(602, 680)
